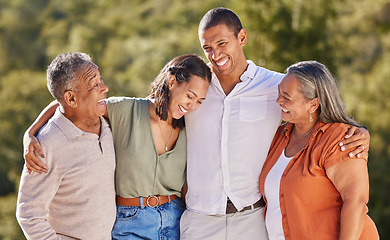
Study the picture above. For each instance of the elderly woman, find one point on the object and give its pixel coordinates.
(313, 189)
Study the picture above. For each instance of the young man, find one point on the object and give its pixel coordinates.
(75, 199)
(229, 136)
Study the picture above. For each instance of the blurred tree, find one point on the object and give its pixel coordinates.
(23, 94)
(282, 32)
(363, 41)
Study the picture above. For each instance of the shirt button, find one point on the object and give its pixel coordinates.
(282, 195)
(284, 215)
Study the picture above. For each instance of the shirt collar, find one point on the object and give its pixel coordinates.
(70, 130)
(319, 127)
(250, 72)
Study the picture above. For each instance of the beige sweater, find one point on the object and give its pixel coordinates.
(76, 198)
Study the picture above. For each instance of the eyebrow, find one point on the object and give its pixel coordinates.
(217, 42)
(195, 94)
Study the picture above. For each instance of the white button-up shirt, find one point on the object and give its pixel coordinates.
(228, 138)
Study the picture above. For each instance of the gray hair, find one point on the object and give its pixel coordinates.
(62, 70)
(317, 82)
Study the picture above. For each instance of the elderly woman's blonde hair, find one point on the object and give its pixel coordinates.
(317, 82)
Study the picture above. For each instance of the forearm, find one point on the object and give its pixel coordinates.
(42, 118)
(34, 197)
(352, 219)
(33, 229)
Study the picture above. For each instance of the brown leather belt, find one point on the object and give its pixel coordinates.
(230, 208)
(147, 201)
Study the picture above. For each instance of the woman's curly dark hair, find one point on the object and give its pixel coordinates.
(183, 68)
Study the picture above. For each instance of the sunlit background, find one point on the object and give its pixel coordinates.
(131, 40)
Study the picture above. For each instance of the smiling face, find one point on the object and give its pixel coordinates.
(224, 50)
(295, 107)
(91, 92)
(186, 96)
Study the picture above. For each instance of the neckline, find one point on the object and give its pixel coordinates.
(284, 154)
(151, 133)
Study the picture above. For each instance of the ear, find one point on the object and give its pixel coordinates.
(171, 81)
(69, 98)
(242, 37)
(314, 105)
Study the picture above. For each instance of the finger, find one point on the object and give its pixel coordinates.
(348, 144)
(359, 153)
(35, 167)
(32, 167)
(38, 149)
(363, 155)
(350, 132)
(27, 166)
(35, 163)
(360, 149)
(358, 137)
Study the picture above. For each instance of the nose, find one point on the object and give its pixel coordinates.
(279, 100)
(215, 54)
(103, 87)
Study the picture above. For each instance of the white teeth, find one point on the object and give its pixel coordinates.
(182, 109)
(221, 63)
(284, 110)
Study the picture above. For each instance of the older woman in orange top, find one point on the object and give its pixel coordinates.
(313, 189)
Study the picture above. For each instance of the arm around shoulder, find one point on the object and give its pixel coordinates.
(30, 142)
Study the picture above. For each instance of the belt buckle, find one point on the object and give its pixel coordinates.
(148, 199)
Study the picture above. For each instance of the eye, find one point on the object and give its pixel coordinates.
(284, 97)
(222, 44)
(189, 96)
(207, 49)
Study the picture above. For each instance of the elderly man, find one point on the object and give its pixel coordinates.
(75, 199)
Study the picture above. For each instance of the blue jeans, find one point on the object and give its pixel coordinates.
(160, 222)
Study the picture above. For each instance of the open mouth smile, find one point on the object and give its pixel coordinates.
(183, 109)
(221, 63)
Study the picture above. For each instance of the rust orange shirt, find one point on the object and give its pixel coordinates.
(309, 203)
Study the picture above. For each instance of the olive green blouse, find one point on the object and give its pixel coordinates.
(140, 171)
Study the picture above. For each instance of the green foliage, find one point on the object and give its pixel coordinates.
(131, 40)
(23, 94)
(9, 228)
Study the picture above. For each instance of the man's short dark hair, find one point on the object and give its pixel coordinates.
(220, 16)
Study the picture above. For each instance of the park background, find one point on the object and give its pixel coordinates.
(131, 40)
